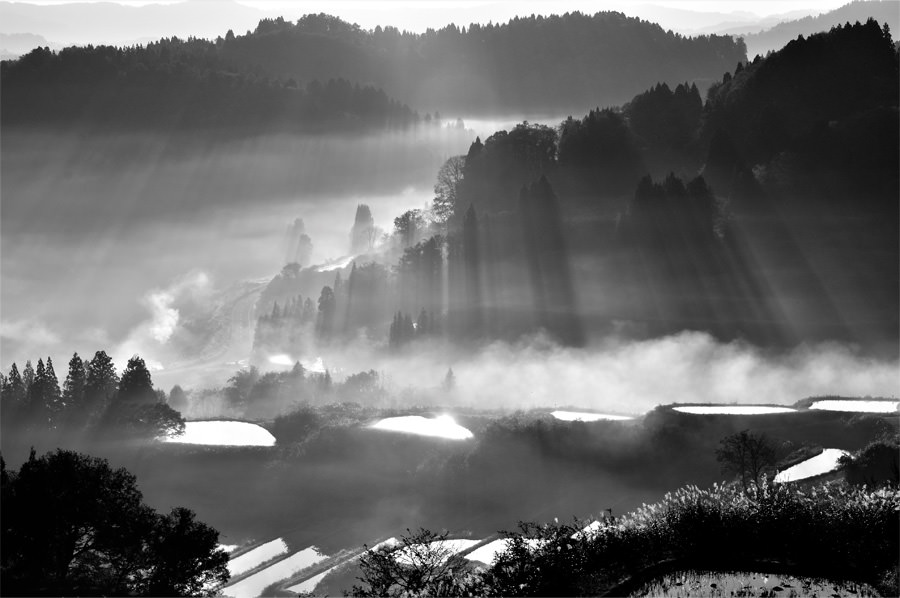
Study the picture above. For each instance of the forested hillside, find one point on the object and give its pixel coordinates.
(767, 214)
(181, 84)
(322, 71)
(536, 64)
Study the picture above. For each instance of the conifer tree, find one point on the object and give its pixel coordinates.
(28, 376)
(52, 399)
(101, 383)
(73, 389)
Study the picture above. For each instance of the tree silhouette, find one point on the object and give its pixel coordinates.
(446, 190)
(748, 456)
(74, 389)
(101, 384)
(74, 526)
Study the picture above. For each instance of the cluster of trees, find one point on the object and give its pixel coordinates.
(72, 525)
(403, 330)
(176, 83)
(516, 66)
(283, 328)
(93, 398)
(668, 209)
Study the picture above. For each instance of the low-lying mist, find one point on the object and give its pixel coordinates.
(612, 375)
(93, 225)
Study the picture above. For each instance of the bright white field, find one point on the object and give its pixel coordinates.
(252, 586)
(732, 409)
(450, 547)
(584, 416)
(822, 463)
(224, 433)
(857, 406)
(442, 426)
(257, 556)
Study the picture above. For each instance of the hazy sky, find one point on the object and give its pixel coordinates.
(206, 18)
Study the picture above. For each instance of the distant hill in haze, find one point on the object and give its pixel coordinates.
(528, 65)
(99, 23)
(13, 45)
(883, 11)
(536, 64)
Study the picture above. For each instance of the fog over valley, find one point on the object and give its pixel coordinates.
(450, 298)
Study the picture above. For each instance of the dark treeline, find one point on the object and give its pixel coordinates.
(767, 213)
(93, 402)
(533, 64)
(72, 525)
(340, 484)
(182, 83)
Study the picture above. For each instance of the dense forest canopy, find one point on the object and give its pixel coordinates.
(531, 64)
(182, 83)
(324, 72)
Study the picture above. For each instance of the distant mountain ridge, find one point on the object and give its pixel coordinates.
(528, 65)
(883, 11)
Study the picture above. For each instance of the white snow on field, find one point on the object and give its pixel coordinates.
(259, 555)
(857, 406)
(732, 409)
(310, 584)
(223, 433)
(442, 426)
(485, 554)
(822, 463)
(406, 556)
(583, 416)
(281, 359)
(252, 586)
(335, 264)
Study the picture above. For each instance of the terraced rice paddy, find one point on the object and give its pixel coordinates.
(824, 462)
(257, 556)
(442, 426)
(253, 585)
(584, 416)
(732, 409)
(861, 406)
(223, 433)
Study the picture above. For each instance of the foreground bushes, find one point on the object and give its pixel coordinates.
(831, 530)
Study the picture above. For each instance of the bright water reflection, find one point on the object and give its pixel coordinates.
(257, 556)
(252, 586)
(224, 433)
(857, 406)
(732, 409)
(821, 463)
(442, 426)
(583, 416)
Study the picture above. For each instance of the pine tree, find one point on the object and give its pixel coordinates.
(101, 383)
(73, 390)
(136, 385)
(12, 401)
(36, 410)
(449, 380)
(28, 376)
(53, 404)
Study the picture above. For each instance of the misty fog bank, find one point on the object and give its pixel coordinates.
(617, 375)
(106, 221)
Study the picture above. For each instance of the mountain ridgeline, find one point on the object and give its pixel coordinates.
(323, 72)
(769, 213)
(534, 64)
